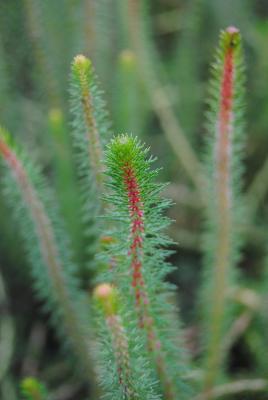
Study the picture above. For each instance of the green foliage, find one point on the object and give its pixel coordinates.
(140, 266)
(35, 212)
(91, 128)
(152, 59)
(124, 372)
(149, 66)
(222, 242)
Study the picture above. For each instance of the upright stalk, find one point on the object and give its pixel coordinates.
(45, 242)
(83, 73)
(147, 64)
(224, 207)
(107, 299)
(140, 252)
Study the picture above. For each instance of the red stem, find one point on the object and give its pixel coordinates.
(48, 248)
(137, 231)
(223, 157)
(141, 297)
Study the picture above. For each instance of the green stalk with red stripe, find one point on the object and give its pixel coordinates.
(222, 241)
(140, 248)
(46, 242)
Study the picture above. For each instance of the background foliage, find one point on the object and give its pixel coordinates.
(162, 66)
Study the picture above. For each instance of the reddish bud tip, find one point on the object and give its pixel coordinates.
(232, 30)
(103, 291)
(106, 296)
(230, 38)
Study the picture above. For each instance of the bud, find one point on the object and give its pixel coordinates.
(107, 298)
(127, 59)
(81, 63)
(231, 38)
(82, 70)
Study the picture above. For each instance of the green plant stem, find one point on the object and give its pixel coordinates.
(106, 297)
(82, 67)
(239, 326)
(146, 320)
(220, 286)
(237, 387)
(159, 97)
(139, 275)
(50, 255)
(223, 241)
(120, 347)
(34, 19)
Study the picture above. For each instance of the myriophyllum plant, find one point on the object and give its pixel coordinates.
(223, 170)
(35, 211)
(91, 130)
(140, 253)
(89, 117)
(115, 347)
(139, 348)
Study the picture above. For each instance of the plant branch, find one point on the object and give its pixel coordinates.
(223, 210)
(52, 273)
(159, 96)
(245, 385)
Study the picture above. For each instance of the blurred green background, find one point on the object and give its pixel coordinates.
(154, 72)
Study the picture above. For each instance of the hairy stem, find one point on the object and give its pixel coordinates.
(82, 67)
(49, 253)
(120, 346)
(106, 295)
(146, 320)
(223, 205)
